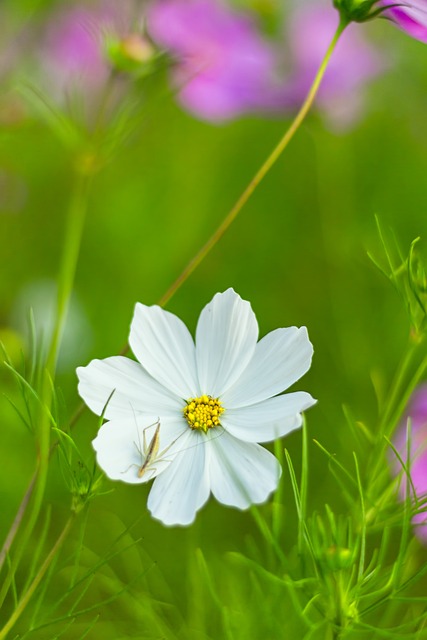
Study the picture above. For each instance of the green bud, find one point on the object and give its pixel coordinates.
(84, 487)
(338, 558)
(132, 54)
(357, 10)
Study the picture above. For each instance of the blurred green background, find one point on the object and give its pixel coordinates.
(298, 252)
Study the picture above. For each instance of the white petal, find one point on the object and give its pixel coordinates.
(135, 391)
(119, 447)
(183, 488)
(226, 336)
(280, 359)
(268, 420)
(164, 346)
(241, 473)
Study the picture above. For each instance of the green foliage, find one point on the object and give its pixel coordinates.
(408, 277)
(333, 554)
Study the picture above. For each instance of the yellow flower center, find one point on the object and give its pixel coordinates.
(203, 413)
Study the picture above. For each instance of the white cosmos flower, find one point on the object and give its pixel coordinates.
(214, 401)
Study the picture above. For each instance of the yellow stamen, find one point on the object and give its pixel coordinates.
(203, 412)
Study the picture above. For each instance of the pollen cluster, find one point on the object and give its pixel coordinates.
(203, 412)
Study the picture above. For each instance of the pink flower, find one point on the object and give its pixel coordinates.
(417, 415)
(410, 15)
(224, 67)
(353, 64)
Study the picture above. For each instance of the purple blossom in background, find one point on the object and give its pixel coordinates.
(73, 49)
(355, 61)
(417, 414)
(411, 16)
(224, 67)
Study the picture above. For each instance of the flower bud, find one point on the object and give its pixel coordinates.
(130, 54)
(357, 10)
(338, 558)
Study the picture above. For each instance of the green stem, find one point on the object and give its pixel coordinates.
(73, 234)
(277, 517)
(406, 394)
(396, 389)
(35, 583)
(258, 177)
(303, 491)
(17, 521)
(267, 534)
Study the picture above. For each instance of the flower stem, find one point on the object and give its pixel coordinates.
(396, 389)
(259, 176)
(73, 234)
(267, 534)
(17, 521)
(406, 394)
(24, 600)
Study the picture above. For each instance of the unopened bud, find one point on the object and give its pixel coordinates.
(130, 54)
(357, 10)
(338, 558)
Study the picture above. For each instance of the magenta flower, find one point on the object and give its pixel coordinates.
(411, 16)
(417, 414)
(224, 67)
(355, 61)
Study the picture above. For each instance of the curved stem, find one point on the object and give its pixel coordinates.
(24, 600)
(259, 176)
(17, 521)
